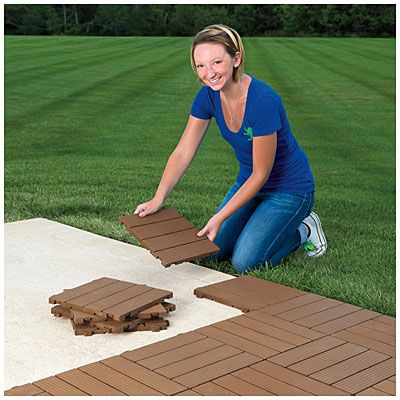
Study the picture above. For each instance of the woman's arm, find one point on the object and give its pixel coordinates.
(177, 164)
(264, 149)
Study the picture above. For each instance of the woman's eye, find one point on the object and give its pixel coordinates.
(199, 66)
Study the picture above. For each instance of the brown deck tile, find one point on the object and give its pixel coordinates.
(154, 311)
(266, 382)
(309, 309)
(373, 334)
(168, 306)
(254, 336)
(212, 389)
(284, 325)
(180, 353)
(80, 317)
(60, 311)
(117, 326)
(268, 330)
(57, 387)
(349, 367)
(24, 390)
(247, 293)
(86, 329)
(88, 384)
(370, 376)
(346, 321)
(162, 346)
(155, 229)
(380, 327)
(366, 342)
(371, 392)
(144, 375)
(118, 381)
(327, 315)
(68, 294)
(198, 361)
(386, 386)
(392, 378)
(327, 358)
(295, 379)
(215, 370)
(188, 393)
(305, 351)
(287, 305)
(154, 325)
(240, 387)
(237, 341)
(164, 214)
(385, 319)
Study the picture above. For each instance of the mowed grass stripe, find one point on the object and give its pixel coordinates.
(84, 145)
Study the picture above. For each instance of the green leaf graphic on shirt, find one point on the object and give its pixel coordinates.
(249, 132)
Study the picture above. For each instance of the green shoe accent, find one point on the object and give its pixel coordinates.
(308, 246)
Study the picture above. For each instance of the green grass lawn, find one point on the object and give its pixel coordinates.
(90, 123)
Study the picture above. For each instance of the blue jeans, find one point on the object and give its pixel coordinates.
(265, 229)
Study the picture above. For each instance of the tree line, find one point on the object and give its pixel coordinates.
(337, 20)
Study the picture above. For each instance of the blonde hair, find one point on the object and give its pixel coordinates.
(224, 35)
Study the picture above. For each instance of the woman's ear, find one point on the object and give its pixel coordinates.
(238, 59)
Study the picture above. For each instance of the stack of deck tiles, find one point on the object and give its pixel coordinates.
(168, 236)
(110, 305)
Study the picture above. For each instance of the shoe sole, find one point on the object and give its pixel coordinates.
(321, 236)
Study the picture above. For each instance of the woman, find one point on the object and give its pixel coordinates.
(266, 214)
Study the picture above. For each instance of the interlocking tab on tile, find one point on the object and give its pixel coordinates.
(168, 236)
(113, 306)
(247, 293)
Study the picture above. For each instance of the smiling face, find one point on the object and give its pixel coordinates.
(214, 65)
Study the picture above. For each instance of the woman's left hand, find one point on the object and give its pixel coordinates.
(212, 227)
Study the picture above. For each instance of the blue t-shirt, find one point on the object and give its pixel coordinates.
(264, 114)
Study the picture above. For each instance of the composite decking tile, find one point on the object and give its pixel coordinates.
(287, 305)
(164, 214)
(88, 384)
(57, 387)
(269, 383)
(215, 370)
(162, 346)
(373, 334)
(386, 386)
(161, 228)
(368, 377)
(240, 387)
(154, 325)
(188, 393)
(309, 309)
(212, 389)
(380, 327)
(295, 379)
(254, 336)
(385, 319)
(371, 392)
(60, 311)
(28, 389)
(268, 330)
(327, 359)
(237, 341)
(157, 310)
(180, 353)
(345, 322)
(118, 381)
(198, 361)
(349, 367)
(68, 294)
(305, 351)
(284, 325)
(366, 342)
(144, 375)
(327, 315)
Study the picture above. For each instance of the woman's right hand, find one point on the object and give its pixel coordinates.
(150, 207)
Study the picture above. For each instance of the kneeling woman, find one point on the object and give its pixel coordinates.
(267, 213)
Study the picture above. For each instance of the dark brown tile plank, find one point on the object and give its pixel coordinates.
(117, 380)
(180, 353)
(367, 378)
(349, 367)
(88, 384)
(380, 327)
(240, 387)
(161, 228)
(197, 361)
(327, 359)
(133, 220)
(305, 351)
(237, 341)
(60, 311)
(386, 386)
(163, 346)
(144, 375)
(212, 389)
(295, 379)
(68, 294)
(213, 371)
(153, 312)
(366, 342)
(373, 334)
(57, 387)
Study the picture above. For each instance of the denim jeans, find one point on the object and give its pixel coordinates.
(266, 229)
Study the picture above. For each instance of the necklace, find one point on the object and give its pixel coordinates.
(231, 117)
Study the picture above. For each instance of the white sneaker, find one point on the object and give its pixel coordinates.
(316, 244)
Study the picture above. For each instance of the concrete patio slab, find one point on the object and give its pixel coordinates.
(43, 257)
